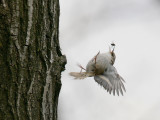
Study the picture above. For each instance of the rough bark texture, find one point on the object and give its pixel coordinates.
(30, 59)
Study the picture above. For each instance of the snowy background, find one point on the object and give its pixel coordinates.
(87, 26)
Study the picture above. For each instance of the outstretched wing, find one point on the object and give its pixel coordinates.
(111, 81)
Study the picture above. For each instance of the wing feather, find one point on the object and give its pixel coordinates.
(111, 81)
(117, 90)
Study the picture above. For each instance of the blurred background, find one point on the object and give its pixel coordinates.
(89, 26)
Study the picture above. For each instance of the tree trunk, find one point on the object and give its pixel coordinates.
(30, 59)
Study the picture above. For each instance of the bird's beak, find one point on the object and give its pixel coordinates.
(111, 49)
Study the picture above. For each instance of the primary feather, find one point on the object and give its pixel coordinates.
(111, 81)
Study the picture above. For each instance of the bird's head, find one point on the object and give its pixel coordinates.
(111, 50)
(112, 47)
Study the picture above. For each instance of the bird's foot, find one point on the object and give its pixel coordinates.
(95, 60)
(95, 57)
(82, 68)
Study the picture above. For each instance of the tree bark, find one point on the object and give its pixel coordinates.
(30, 59)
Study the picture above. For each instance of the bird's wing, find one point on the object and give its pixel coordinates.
(111, 81)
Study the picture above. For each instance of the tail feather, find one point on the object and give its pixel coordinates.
(80, 75)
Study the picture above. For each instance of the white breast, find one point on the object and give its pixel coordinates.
(102, 62)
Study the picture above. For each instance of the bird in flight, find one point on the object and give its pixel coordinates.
(101, 68)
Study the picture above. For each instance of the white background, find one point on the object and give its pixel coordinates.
(87, 26)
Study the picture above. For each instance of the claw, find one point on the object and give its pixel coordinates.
(95, 58)
(82, 68)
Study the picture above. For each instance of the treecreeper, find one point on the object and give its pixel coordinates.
(101, 68)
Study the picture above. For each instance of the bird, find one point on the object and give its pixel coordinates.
(101, 68)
